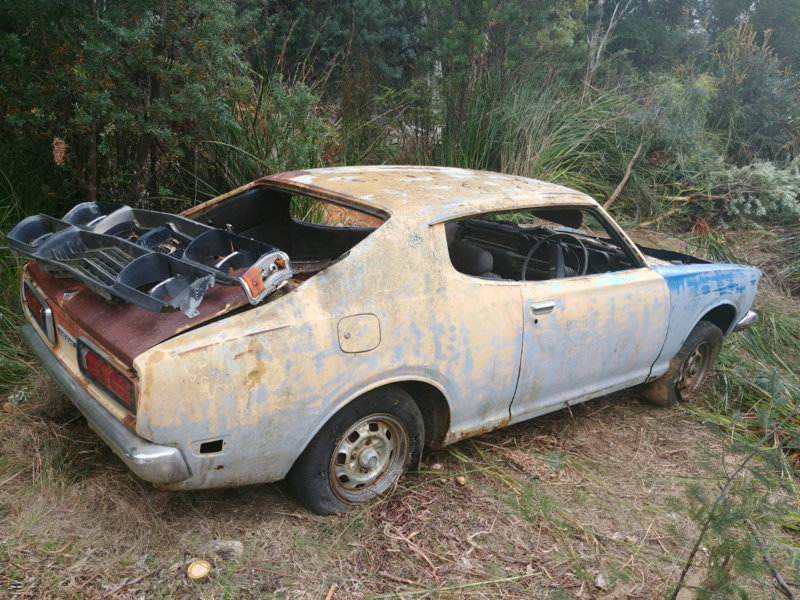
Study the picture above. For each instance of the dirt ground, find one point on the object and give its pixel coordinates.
(547, 508)
(582, 503)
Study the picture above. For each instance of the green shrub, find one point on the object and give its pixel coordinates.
(759, 191)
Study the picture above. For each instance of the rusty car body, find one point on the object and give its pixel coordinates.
(239, 393)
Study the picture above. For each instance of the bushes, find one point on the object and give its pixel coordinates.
(759, 191)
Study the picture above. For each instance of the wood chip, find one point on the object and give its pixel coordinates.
(199, 569)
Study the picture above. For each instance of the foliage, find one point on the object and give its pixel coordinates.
(127, 85)
(757, 105)
(758, 191)
(658, 35)
(309, 40)
(275, 129)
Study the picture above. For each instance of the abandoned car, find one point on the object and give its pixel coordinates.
(327, 324)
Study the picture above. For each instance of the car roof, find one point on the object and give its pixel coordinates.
(432, 194)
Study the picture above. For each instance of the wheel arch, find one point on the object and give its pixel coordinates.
(435, 409)
(428, 395)
(723, 315)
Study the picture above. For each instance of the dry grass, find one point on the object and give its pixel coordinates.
(542, 507)
(531, 511)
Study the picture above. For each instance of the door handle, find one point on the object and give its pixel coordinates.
(542, 308)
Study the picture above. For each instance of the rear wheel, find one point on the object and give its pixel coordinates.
(360, 453)
(688, 370)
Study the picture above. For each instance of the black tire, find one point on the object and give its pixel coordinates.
(378, 425)
(688, 369)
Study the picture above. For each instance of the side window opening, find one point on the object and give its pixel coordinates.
(551, 243)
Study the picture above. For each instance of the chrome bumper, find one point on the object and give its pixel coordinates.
(158, 464)
(745, 322)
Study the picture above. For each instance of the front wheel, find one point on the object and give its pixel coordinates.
(688, 369)
(360, 452)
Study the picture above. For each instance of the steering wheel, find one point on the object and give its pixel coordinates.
(547, 240)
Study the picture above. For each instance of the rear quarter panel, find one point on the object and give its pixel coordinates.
(694, 290)
(267, 379)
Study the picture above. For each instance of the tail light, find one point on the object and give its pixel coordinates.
(97, 369)
(39, 310)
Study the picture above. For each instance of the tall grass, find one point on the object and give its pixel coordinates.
(541, 127)
(21, 195)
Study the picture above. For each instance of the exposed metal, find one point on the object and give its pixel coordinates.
(746, 321)
(368, 457)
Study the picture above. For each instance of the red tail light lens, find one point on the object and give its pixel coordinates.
(34, 305)
(121, 387)
(102, 374)
(93, 365)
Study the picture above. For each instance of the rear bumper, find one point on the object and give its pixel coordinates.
(745, 322)
(151, 462)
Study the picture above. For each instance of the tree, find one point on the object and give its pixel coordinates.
(782, 18)
(657, 35)
(129, 86)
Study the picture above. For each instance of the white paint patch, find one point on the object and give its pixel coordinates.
(347, 179)
(304, 179)
(436, 187)
(457, 173)
(415, 179)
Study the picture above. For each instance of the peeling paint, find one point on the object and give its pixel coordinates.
(267, 379)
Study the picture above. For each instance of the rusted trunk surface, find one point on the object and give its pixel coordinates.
(125, 330)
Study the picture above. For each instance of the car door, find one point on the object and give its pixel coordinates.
(587, 336)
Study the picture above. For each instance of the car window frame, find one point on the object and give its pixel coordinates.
(617, 236)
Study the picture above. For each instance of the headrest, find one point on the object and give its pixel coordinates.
(470, 260)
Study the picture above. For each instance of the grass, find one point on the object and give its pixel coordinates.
(517, 525)
(535, 510)
(543, 507)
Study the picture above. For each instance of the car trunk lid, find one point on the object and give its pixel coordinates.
(126, 330)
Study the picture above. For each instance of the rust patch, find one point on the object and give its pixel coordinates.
(125, 330)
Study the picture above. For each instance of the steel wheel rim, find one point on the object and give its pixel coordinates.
(368, 458)
(694, 370)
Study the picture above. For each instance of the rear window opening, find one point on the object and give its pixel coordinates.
(312, 232)
(549, 243)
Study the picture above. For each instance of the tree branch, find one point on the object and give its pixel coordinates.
(622, 183)
(721, 495)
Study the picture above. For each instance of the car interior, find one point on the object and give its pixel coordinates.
(287, 222)
(537, 245)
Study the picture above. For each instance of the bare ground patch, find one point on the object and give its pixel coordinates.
(534, 510)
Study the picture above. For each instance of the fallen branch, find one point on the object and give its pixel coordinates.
(768, 559)
(124, 584)
(622, 183)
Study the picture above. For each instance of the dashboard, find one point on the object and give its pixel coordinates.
(509, 244)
